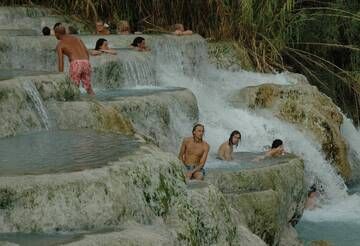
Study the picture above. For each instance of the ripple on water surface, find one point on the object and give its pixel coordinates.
(61, 151)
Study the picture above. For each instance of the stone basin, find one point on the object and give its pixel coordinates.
(61, 151)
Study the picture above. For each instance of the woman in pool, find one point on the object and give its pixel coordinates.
(101, 47)
(226, 149)
(139, 44)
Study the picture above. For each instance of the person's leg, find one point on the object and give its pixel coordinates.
(86, 78)
(75, 73)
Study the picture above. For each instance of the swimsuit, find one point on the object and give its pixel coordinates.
(192, 167)
(80, 70)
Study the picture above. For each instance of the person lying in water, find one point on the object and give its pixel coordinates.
(277, 149)
(226, 149)
(180, 30)
(193, 153)
(102, 47)
(139, 44)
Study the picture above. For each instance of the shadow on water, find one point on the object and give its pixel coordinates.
(6, 74)
(61, 151)
(50, 239)
(112, 95)
(246, 160)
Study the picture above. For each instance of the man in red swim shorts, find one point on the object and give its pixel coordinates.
(75, 50)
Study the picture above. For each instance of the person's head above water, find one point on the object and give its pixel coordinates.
(59, 31)
(277, 147)
(101, 43)
(312, 191)
(57, 25)
(179, 27)
(138, 42)
(234, 138)
(123, 27)
(46, 31)
(276, 143)
(198, 132)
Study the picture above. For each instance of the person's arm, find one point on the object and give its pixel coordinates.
(111, 52)
(182, 151)
(178, 33)
(94, 52)
(187, 32)
(60, 57)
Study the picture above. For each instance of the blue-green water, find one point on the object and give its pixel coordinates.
(61, 151)
(12, 73)
(113, 94)
(342, 231)
(50, 239)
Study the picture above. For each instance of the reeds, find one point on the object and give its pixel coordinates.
(307, 36)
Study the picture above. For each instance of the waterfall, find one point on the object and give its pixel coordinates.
(35, 97)
(212, 88)
(139, 71)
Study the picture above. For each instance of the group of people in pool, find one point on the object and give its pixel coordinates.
(78, 55)
(194, 151)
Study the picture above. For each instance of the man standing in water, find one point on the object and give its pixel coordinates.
(75, 50)
(194, 152)
(226, 149)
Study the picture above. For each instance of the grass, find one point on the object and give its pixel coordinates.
(302, 36)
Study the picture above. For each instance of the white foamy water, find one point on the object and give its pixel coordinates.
(38, 103)
(212, 88)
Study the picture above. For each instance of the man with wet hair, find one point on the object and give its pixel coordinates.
(78, 55)
(193, 153)
(226, 149)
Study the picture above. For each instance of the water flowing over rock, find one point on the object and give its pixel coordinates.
(310, 110)
(156, 97)
(262, 195)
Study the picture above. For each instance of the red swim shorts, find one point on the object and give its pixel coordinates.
(80, 70)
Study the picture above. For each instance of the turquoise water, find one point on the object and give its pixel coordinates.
(61, 151)
(339, 233)
(245, 160)
(12, 73)
(51, 239)
(113, 94)
(19, 32)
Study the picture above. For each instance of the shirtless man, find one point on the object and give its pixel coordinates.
(193, 153)
(75, 50)
(226, 149)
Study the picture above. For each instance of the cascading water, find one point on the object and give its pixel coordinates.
(139, 71)
(212, 88)
(38, 103)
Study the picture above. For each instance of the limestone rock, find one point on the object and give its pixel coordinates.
(89, 114)
(304, 106)
(18, 112)
(320, 243)
(267, 198)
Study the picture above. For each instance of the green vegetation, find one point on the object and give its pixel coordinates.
(315, 38)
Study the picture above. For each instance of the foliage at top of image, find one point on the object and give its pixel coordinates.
(316, 38)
